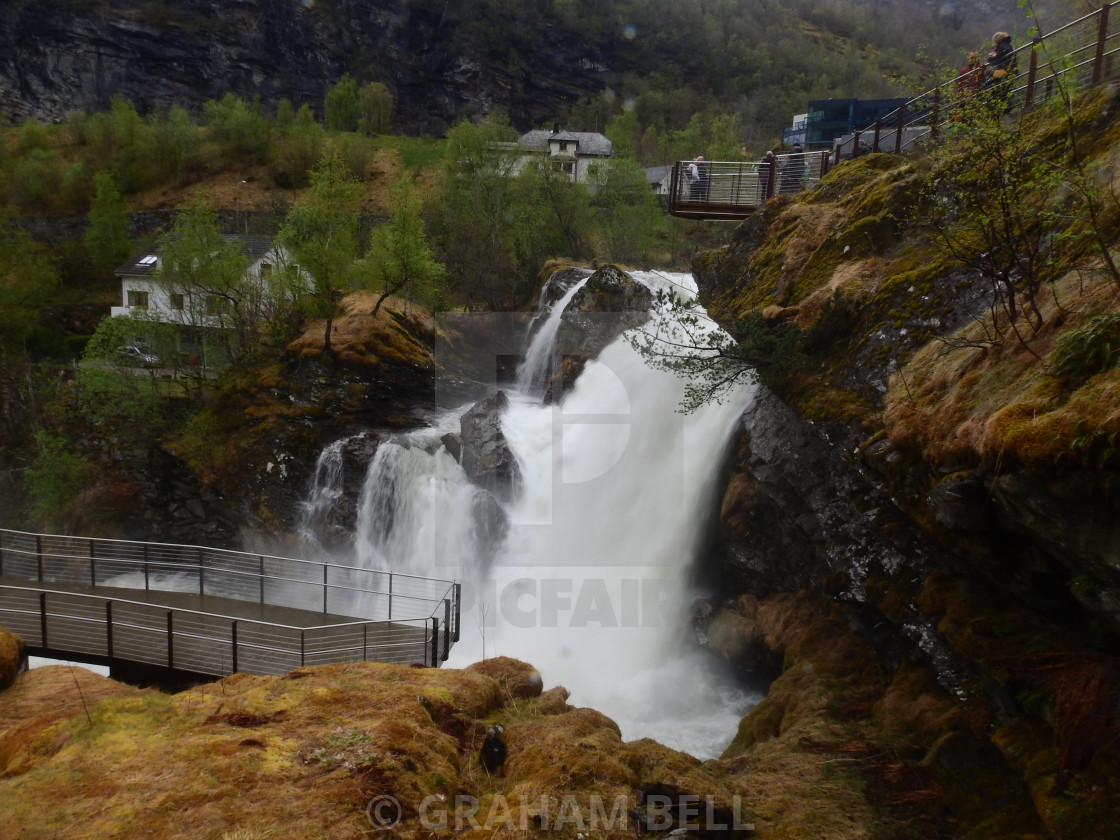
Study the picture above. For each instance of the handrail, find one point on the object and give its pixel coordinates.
(734, 189)
(1088, 61)
(202, 647)
(43, 553)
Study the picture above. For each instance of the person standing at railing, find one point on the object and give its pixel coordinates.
(1001, 60)
(766, 174)
(971, 76)
(697, 179)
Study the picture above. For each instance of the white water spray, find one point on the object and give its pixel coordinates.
(590, 582)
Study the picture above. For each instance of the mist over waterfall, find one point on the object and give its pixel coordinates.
(588, 579)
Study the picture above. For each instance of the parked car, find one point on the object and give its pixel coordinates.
(133, 355)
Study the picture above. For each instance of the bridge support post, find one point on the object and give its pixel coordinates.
(1102, 37)
(446, 629)
(459, 586)
(43, 619)
(435, 642)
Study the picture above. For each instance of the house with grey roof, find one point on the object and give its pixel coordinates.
(146, 292)
(572, 152)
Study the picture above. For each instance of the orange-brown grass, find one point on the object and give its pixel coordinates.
(966, 399)
(400, 333)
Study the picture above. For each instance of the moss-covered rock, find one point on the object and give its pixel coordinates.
(12, 657)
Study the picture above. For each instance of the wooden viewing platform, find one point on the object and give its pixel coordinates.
(210, 612)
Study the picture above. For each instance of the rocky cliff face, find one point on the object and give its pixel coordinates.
(59, 56)
(986, 555)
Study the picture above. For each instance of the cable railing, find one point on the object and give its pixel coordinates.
(95, 628)
(369, 596)
(1067, 60)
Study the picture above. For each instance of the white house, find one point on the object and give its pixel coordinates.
(570, 152)
(143, 292)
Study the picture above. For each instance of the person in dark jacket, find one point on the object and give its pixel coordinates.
(1001, 60)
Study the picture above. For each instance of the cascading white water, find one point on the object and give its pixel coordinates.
(590, 582)
(326, 489)
(535, 368)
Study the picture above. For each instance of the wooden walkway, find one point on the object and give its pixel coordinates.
(191, 610)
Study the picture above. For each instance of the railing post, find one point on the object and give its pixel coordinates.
(109, 629)
(935, 119)
(302, 647)
(233, 641)
(390, 596)
(365, 642)
(201, 572)
(2, 552)
(170, 639)
(855, 145)
(459, 590)
(324, 587)
(836, 155)
(875, 142)
(145, 567)
(260, 573)
(1032, 74)
(446, 628)
(1102, 37)
(39, 555)
(899, 129)
(435, 642)
(43, 618)
(771, 178)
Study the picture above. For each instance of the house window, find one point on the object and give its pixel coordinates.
(138, 299)
(177, 301)
(266, 269)
(215, 305)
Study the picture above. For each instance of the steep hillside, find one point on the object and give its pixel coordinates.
(442, 60)
(938, 451)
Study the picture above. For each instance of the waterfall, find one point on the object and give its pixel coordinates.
(536, 367)
(590, 581)
(326, 490)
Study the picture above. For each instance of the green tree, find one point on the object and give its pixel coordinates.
(208, 270)
(627, 209)
(239, 127)
(375, 109)
(321, 232)
(399, 260)
(341, 105)
(473, 225)
(551, 218)
(56, 478)
(106, 237)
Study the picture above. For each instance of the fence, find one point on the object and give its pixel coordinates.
(733, 189)
(369, 596)
(100, 629)
(1069, 59)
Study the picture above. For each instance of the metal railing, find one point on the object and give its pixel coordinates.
(363, 594)
(100, 629)
(1075, 56)
(735, 189)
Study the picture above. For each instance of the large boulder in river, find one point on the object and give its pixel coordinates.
(486, 457)
(610, 302)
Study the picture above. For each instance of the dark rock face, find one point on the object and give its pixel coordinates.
(796, 515)
(60, 56)
(486, 457)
